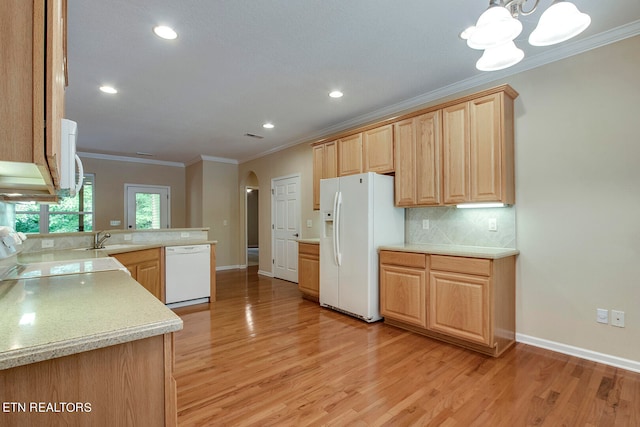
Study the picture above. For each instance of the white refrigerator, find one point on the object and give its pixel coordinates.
(358, 215)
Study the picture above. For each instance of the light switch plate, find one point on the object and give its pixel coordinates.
(127, 237)
(309, 223)
(114, 222)
(602, 315)
(47, 243)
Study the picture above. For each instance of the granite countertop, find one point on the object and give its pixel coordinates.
(310, 240)
(453, 250)
(49, 317)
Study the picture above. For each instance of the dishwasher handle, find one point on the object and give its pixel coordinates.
(176, 250)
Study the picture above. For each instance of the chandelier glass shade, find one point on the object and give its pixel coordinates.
(560, 22)
(498, 27)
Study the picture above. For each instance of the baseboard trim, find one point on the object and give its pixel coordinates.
(594, 356)
(265, 273)
(229, 267)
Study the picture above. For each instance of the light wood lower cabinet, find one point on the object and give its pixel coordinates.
(124, 384)
(309, 270)
(465, 301)
(403, 287)
(147, 268)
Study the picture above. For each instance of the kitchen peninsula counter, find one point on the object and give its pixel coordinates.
(98, 340)
(49, 317)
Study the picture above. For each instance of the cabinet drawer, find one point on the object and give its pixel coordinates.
(477, 266)
(308, 248)
(135, 257)
(407, 259)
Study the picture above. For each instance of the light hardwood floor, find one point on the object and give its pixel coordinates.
(261, 355)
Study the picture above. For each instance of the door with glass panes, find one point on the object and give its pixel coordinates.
(147, 207)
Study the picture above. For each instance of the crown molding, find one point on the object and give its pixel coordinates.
(548, 56)
(100, 156)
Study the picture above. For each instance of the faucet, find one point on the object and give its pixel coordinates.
(98, 242)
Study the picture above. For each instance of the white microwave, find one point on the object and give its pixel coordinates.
(69, 184)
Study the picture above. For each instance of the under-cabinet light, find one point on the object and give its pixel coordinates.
(480, 205)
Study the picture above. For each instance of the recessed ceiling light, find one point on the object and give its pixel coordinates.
(165, 32)
(268, 126)
(336, 94)
(109, 89)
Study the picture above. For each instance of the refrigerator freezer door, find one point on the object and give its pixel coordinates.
(329, 280)
(355, 228)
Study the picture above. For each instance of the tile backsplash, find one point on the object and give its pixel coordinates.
(452, 226)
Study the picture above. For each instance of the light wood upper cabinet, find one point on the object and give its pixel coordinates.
(417, 156)
(458, 152)
(32, 53)
(350, 155)
(377, 149)
(455, 153)
(491, 149)
(55, 83)
(478, 155)
(325, 165)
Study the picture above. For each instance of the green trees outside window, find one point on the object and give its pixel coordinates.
(72, 214)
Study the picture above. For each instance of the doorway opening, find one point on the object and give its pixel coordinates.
(252, 223)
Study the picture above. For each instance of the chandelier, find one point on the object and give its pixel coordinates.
(498, 26)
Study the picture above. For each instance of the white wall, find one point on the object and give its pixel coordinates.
(578, 198)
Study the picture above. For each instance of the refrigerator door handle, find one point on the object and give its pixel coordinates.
(337, 228)
(334, 240)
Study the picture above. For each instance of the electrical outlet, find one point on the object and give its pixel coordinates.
(617, 318)
(184, 234)
(309, 223)
(127, 237)
(493, 224)
(602, 315)
(47, 243)
(425, 224)
(225, 223)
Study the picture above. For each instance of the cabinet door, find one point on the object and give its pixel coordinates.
(459, 306)
(350, 155)
(485, 149)
(405, 150)
(403, 287)
(455, 153)
(378, 149)
(318, 168)
(55, 84)
(427, 154)
(330, 160)
(403, 294)
(309, 272)
(148, 275)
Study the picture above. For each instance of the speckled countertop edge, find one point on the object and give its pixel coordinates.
(454, 250)
(25, 356)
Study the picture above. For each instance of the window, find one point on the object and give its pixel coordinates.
(70, 215)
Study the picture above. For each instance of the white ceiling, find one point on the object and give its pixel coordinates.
(239, 63)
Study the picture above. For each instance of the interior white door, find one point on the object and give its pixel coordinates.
(147, 207)
(286, 227)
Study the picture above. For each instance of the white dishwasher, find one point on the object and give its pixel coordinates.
(187, 275)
